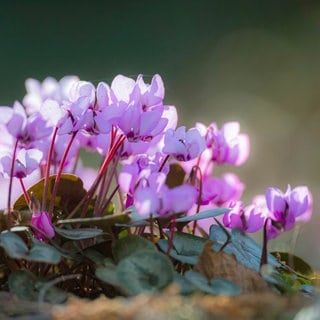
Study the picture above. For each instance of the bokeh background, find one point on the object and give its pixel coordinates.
(256, 62)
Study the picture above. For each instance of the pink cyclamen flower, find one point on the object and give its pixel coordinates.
(31, 131)
(25, 163)
(50, 88)
(228, 144)
(183, 145)
(248, 219)
(126, 89)
(221, 191)
(42, 221)
(153, 196)
(136, 107)
(287, 208)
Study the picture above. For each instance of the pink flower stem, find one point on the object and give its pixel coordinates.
(25, 193)
(107, 202)
(47, 172)
(111, 154)
(163, 163)
(58, 176)
(11, 182)
(105, 185)
(199, 199)
(76, 162)
(100, 195)
(86, 200)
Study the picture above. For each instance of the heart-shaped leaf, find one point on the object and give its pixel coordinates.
(42, 252)
(247, 251)
(294, 262)
(126, 246)
(25, 285)
(22, 284)
(185, 286)
(70, 192)
(13, 245)
(108, 274)
(186, 247)
(214, 286)
(192, 259)
(146, 271)
(175, 176)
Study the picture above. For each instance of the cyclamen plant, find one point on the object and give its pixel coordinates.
(156, 180)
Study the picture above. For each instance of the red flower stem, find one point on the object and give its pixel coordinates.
(25, 193)
(47, 172)
(87, 198)
(120, 194)
(104, 177)
(11, 182)
(76, 162)
(101, 172)
(113, 135)
(163, 163)
(58, 176)
(100, 195)
(105, 186)
(111, 154)
(105, 205)
(199, 199)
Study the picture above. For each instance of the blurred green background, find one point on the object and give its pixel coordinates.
(252, 61)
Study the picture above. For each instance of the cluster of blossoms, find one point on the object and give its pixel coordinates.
(137, 135)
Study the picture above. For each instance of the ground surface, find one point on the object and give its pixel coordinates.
(167, 306)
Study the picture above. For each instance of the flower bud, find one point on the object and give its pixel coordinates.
(42, 222)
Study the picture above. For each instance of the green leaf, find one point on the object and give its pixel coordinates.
(108, 274)
(70, 192)
(187, 244)
(294, 262)
(192, 259)
(25, 285)
(51, 294)
(247, 251)
(13, 245)
(284, 282)
(79, 234)
(186, 247)
(124, 247)
(175, 176)
(42, 252)
(215, 286)
(135, 219)
(17, 249)
(204, 215)
(186, 287)
(94, 256)
(22, 284)
(146, 271)
(102, 222)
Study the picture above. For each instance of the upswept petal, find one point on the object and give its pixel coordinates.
(122, 87)
(276, 202)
